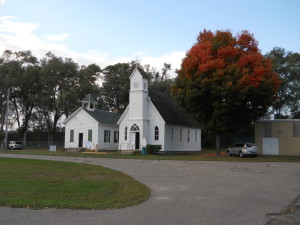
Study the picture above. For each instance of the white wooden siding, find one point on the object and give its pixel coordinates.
(194, 144)
(81, 122)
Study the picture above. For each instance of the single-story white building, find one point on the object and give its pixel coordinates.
(88, 127)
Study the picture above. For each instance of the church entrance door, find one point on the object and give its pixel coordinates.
(135, 137)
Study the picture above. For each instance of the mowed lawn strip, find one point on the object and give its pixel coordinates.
(204, 155)
(48, 184)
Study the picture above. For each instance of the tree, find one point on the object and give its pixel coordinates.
(161, 82)
(57, 77)
(84, 83)
(225, 82)
(22, 75)
(115, 86)
(287, 65)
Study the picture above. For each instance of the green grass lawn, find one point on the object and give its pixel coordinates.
(204, 155)
(48, 184)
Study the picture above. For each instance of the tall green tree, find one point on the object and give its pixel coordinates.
(57, 77)
(86, 82)
(22, 75)
(287, 65)
(225, 82)
(115, 86)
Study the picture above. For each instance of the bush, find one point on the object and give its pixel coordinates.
(136, 152)
(153, 149)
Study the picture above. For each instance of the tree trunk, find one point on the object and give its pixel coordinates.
(218, 144)
(24, 138)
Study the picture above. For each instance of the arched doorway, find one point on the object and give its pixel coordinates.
(135, 136)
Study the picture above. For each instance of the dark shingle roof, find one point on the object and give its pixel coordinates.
(104, 116)
(170, 112)
(143, 73)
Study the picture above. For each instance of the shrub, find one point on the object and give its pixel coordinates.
(153, 149)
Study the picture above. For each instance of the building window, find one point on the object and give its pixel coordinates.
(296, 129)
(90, 134)
(195, 136)
(172, 134)
(156, 133)
(135, 85)
(116, 136)
(145, 86)
(188, 136)
(134, 128)
(125, 137)
(71, 135)
(180, 134)
(106, 135)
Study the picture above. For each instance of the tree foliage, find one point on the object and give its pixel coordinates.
(225, 82)
(47, 90)
(287, 65)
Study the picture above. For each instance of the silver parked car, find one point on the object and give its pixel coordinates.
(14, 145)
(242, 149)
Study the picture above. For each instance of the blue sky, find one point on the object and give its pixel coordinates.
(108, 32)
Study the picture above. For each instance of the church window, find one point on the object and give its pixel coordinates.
(106, 135)
(145, 85)
(125, 134)
(90, 134)
(172, 134)
(156, 133)
(180, 134)
(134, 128)
(135, 85)
(188, 136)
(71, 135)
(116, 136)
(195, 136)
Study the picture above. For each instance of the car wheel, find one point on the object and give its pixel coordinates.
(241, 154)
(11, 148)
(228, 153)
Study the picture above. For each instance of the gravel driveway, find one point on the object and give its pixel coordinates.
(183, 193)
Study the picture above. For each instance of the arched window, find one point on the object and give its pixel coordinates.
(156, 133)
(125, 137)
(134, 128)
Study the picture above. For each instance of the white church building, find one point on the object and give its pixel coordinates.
(90, 128)
(150, 115)
(153, 115)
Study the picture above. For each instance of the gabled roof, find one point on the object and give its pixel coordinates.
(89, 98)
(141, 71)
(104, 116)
(100, 116)
(170, 112)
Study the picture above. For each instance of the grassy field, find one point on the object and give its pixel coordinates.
(48, 184)
(205, 155)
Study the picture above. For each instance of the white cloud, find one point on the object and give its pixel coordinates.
(2, 1)
(59, 37)
(19, 36)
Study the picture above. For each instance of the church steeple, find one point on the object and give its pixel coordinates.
(89, 103)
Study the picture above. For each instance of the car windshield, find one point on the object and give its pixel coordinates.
(249, 145)
(18, 142)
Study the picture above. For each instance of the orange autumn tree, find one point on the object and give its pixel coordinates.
(225, 82)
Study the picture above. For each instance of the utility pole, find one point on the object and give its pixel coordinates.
(6, 119)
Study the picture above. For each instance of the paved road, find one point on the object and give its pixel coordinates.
(183, 193)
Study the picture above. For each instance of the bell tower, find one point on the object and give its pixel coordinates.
(89, 103)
